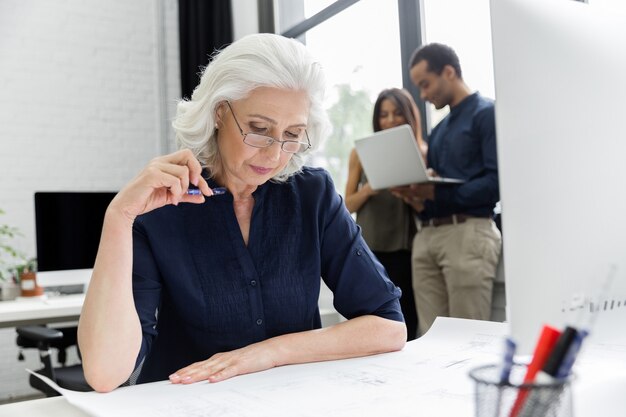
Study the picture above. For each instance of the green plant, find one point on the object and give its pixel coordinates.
(9, 256)
(29, 265)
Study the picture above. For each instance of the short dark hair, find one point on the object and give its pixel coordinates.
(404, 102)
(437, 56)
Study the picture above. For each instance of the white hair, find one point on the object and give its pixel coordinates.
(258, 60)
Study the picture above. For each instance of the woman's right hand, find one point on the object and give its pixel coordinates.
(163, 181)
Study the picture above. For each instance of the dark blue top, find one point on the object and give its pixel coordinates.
(200, 290)
(463, 145)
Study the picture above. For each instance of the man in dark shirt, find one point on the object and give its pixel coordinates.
(456, 251)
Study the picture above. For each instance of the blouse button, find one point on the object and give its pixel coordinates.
(253, 282)
(259, 321)
(358, 252)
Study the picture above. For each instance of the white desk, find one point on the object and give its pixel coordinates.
(41, 311)
(429, 377)
(46, 407)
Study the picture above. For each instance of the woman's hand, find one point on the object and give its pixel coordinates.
(360, 336)
(367, 189)
(163, 181)
(253, 358)
(415, 195)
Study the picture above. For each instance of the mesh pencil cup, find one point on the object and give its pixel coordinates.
(494, 398)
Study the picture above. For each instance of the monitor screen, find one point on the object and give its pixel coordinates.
(559, 75)
(68, 227)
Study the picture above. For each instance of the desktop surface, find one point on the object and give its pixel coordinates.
(45, 407)
(40, 310)
(428, 377)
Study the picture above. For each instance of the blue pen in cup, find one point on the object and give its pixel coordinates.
(505, 370)
(507, 360)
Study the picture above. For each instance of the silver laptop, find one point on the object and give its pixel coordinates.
(391, 158)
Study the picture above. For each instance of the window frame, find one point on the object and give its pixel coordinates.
(410, 22)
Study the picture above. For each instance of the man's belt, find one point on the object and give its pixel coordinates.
(454, 219)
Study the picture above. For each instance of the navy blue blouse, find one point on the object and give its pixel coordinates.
(200, 290)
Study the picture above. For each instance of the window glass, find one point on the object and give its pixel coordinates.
(360, 51)
(288, 13)
(465, 26)
(313, 7)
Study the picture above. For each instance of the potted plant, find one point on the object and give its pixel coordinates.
(9, 257)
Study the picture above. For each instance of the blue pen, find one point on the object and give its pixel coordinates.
(572, 352)
(505, 370)
(216, 191)
(507, 361)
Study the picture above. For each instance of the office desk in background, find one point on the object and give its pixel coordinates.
(53, 308)
(64, 308)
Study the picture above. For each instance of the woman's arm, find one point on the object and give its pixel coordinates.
(360, 336)
(421, 144)
(355, 197)
(109, 331)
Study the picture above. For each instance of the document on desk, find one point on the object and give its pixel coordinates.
(428, 377)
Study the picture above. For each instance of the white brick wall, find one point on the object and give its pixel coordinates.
(85, 88)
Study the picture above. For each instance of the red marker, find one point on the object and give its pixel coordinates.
(547, 340)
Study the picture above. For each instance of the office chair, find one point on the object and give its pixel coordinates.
(44, 338)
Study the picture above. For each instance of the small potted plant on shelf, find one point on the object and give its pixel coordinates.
(9, 257)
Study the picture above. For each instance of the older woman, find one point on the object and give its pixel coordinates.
(228, 284)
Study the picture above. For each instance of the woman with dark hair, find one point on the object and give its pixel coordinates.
(386, 221)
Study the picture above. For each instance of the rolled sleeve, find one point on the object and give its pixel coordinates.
(146, 288)
(349, 268)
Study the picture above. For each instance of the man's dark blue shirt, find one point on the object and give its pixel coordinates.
(463, 146)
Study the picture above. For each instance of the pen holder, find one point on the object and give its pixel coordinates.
(494, 398)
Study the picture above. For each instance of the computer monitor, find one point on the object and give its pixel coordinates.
(560, 75)
(68, 227)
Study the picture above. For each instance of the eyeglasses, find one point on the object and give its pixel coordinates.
(262, 141)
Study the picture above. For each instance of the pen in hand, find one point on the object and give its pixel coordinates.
(216, 191)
